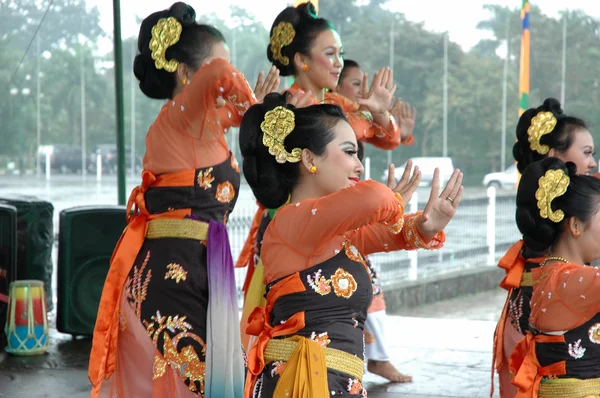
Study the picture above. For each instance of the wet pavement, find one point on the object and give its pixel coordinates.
(445, 346)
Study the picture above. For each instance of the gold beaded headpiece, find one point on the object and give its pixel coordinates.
(165, 33)
(283, 35)
(551, 185)
(278, 124)
(543, 123)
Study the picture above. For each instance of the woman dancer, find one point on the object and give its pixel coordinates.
(557, 213)
(310, 332)
(309, 48)
(541, 132)
(167, 321)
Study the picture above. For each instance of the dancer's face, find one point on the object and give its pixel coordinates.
(325, 61)
(339, 167)
(350, 85)
(581, 152)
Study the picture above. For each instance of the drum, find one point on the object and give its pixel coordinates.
(27, 322)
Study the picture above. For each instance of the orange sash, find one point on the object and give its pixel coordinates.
(526, 367)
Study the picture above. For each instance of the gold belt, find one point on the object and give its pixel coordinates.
(183, 228)
(281, 350)
(527, 279)
(569, 388)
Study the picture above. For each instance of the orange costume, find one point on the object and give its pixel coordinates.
(309, 334)
(365, 130)
(560, 355)
(157, 333)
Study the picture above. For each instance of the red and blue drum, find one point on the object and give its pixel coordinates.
(27, 321)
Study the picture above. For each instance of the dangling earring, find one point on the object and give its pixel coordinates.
(313, 170)
(305, 67)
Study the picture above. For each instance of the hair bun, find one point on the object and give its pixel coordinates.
(183, 12)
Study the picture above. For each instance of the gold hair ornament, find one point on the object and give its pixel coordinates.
(165, 33)
(541, 124)
(283, 35)
(551, 185)
(278, 124)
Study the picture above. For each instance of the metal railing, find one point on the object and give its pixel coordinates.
(482, 230)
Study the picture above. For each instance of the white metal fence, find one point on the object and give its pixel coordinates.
(480, 233)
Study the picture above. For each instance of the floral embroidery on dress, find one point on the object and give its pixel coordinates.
(354, 255)
(594, 333)
(185, 363)
(176, 272)
(319, 283)
(240, 107)
(278, 368)
(205, 178)
(225, 192)
(321, 338)
(344, 284)
(576, 350)
(355, 386)
(136, 289)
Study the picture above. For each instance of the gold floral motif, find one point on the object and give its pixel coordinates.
(344, 284)
(277, 125)
(278, 368)
(543, 123)
(205, 178)
(165, 33)
(176, 272)
(319, 283)
(321, 338)
(551, 185)
(283, 35)
(136, 289)
(186, 362)
(594, 333)
(225, 192)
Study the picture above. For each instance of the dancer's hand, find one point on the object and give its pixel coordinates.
(440, 208)
(378, 98)
(300, 99)
(268, 85)
(406, 119)
(407, 185)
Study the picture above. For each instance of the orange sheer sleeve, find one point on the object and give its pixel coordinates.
(190, 131)
(377, 238)
(363, 125)
(362, 122)
(310, 224)
(566, 296)
(199, 99)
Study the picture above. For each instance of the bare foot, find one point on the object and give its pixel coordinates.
(386, 370)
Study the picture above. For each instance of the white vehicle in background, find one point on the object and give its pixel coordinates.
(427, 166)
(506, 179)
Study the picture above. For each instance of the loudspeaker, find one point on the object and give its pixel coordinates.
(35, 240)
(86, 240)
(8, 260)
